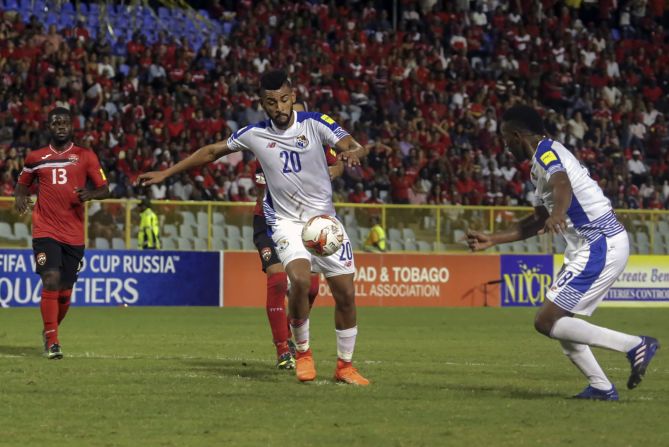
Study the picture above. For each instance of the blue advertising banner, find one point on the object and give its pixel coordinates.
(525, 279)
(119, 277)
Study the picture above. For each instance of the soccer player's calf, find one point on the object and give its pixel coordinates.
(277, 288)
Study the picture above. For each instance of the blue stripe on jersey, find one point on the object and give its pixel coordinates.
(606, 225)
(323, 119)
(570, 296)
(268, 208)
(548, 158)
(576, 213)
(243, 130)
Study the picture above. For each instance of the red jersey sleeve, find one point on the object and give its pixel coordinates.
(330, 155)
(94, 171)
(27, 174)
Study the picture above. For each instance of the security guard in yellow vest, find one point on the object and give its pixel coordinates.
(376, 240)
(149, 229)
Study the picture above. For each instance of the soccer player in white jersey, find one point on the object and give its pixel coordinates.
(571, 204)
(289, 147)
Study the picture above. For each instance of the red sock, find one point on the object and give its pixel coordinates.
(49, 308)
(313, 289)
(277, 285)
(63, 303)
(290, 333)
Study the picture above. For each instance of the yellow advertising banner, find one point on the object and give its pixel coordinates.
(645, 279)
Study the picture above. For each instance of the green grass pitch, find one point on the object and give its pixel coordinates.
(205, 376)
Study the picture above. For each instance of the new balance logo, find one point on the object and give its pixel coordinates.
(271, 144)
(46, 156)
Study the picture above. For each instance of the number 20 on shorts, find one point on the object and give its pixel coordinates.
(346, 253)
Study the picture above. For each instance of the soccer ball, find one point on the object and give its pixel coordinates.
(322, 235)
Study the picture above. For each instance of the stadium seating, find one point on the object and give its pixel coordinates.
(21, 230)
(423, 246)
(169, 243)
(102, 243)
(184, 244)
(118, 244)
(478, 72)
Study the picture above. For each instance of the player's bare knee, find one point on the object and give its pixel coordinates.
(345, 306)
(344, 298)
(300, 284)
(543, 323)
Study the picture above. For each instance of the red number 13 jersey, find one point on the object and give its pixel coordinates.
(59, 214)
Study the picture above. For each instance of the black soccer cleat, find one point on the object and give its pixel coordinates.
(640, 358)
(292, 347)
(54, 352)
(285, 361)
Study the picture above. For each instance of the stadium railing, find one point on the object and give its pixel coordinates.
(207, 225)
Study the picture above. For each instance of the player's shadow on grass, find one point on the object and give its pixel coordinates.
(510, 391)
(253, 370)
(21, 351)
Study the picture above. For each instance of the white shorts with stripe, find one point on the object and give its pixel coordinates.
(588, 274)
(287, 237)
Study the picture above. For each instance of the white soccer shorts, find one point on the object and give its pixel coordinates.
(588, 274)
(287, 237)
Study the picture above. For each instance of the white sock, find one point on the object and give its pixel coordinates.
(300, 329)
(346, 343)
(581, 356)
(579, 331)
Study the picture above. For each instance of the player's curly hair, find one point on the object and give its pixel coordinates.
(525, 118)
(273, 80)
(58, 111)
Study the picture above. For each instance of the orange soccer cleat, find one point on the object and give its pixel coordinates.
(305, 369)
(346, 373)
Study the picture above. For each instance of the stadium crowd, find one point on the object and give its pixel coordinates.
(431, 91)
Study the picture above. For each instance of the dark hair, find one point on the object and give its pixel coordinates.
(59, 111)
(273, 80)
(523, 117)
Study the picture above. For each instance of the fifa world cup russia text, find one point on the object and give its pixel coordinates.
(114, 278)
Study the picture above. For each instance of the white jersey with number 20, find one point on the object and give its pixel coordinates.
(295, 167)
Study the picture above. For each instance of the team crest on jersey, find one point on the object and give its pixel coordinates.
(40, 258)
(74, 158)
(301, 142)
(266, 253)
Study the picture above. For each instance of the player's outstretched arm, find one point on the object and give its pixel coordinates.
(202, 156)
(350, 151)
(93, 194)
(22, 201)
(336, 170)
(527, 227)
(562, 195)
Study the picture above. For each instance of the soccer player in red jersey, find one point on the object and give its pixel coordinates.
(62, 170)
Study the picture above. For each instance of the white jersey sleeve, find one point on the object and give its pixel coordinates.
(590, 215)
(241, 139)
(329, 131)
